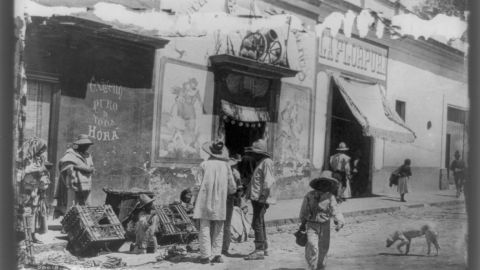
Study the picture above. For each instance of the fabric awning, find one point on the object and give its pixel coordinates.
(243, 113)
(369, 106)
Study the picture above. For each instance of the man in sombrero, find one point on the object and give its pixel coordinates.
(216, 182)
(147, 225)
(318, 207)
(340, 166)
(76, 170)
(261, 191)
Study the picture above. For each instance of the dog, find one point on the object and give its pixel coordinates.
(406, 236)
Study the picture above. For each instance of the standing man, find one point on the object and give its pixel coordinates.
(340, 166)
(232, 200)
(76, 169)
(260, 191)
(458, 168)
(216, 182)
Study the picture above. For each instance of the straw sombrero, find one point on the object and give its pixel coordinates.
(318, 178)
(83, 139)
(216, 149)
(144, 200)
(259, 147)
(342, 147)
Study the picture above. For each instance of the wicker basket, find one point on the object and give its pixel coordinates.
(93, 228)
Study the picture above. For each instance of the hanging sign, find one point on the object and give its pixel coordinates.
(353, 55)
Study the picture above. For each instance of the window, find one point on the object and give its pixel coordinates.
(39, 98)
(400, 107)
(456, 115)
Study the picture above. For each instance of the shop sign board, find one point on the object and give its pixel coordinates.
(353, 55)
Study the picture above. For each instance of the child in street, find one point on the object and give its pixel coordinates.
(319, 206)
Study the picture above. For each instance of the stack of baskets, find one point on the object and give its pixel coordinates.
(175, 225)
(93, 228)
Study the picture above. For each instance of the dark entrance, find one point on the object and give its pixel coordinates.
(345, 128)
(238, 137)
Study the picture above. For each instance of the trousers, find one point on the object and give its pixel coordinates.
(318, 243)
(210, 237)
(258, 225)
(227, 235)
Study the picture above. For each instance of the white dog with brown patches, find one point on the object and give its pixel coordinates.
(406, 236)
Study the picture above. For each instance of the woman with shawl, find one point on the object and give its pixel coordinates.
(34, 180)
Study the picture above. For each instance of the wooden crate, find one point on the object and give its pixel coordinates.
(93, 228)
(175, 225)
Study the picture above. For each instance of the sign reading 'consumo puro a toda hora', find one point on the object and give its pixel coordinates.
(353, 55)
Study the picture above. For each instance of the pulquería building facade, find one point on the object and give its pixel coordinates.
(150, 102)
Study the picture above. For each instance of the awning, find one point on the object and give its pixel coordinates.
(369, 106)
(243, 113)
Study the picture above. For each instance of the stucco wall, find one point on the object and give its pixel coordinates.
(423, 179)
(292, 168)
(427, 96)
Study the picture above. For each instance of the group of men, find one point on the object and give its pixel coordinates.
(218, 180)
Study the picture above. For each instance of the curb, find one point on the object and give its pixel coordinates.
(287, 221)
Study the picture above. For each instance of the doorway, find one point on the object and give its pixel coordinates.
(344, 127)
(239, 135)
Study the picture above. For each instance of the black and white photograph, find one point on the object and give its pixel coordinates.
(241, 134)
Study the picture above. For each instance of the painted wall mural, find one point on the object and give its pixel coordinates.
(292, 140)
(185, 121)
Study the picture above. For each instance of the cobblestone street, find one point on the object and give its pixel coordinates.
(360, 245)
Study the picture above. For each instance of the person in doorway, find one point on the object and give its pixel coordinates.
(458, 168)
(76, 170)
(216, 182)
(34, 181)
(340, 166)
(403, 172)
(318, 207)
(358, 184)
(261, 191)
(232, 201)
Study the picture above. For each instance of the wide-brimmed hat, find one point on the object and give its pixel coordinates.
(318, 178)
(83, 139)
(216, 149)
(342, 147)
(234, 159)
(259, 147)
(144, 200)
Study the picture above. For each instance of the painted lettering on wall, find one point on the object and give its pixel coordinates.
(105, 105)
(302, 61)
(353, 55)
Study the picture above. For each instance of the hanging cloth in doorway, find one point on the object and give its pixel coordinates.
(368, 104)
(245, 114)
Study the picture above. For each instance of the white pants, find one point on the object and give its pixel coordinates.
(318, 243)
(210, 237)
